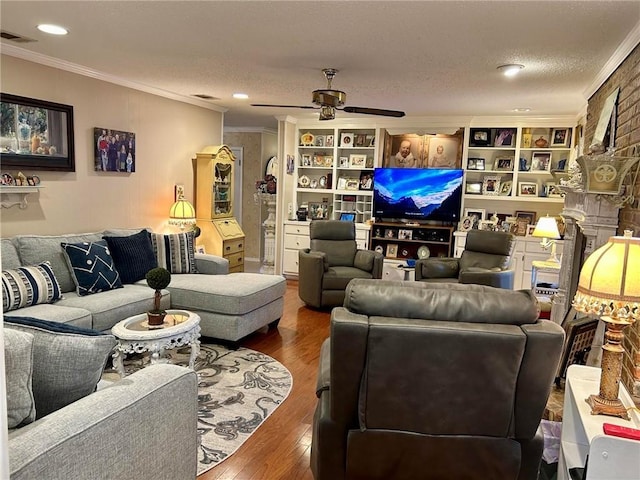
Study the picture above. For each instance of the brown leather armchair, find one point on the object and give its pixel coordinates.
(433, 381)
(486, 260)
(333, 259)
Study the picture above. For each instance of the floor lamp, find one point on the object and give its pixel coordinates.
(609, 287)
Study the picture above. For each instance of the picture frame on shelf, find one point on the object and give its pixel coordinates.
(319, 141)
(342, 183)
(357, 160)
(405, 234)
(390, 233)
(366, 180)
(392, 250)
(561, 137)
(491, 185)
(346, 140)
(344, 162)
(504, 164)
(318, 211)
(553, 190)
(529, 216)
(505, 187)
(371, 140)
(541, 161)
(473, 188)
(466, 224)
(530, 229)
(480, 137)
(328, 141)
(307, 139)
(359, 140)
(348, 216)
(519, 227)
(475, 163)
(505, 137)
(328, 160)
(318, 160)
(352, 184)
(527, 189)
(306, 160)
(477, 213)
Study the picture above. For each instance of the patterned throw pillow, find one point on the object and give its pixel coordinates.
(27, 286)
(175, 252)
(132, 255)
(92, 267)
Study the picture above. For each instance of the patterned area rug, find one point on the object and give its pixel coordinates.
(237, 391)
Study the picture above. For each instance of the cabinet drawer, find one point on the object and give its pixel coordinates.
(535, 247)
(233, 246)
(296, 241)
(235, 259)
(297, 229)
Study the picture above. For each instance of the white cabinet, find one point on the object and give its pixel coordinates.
(527, 250)
(296, 236)
(610, 458)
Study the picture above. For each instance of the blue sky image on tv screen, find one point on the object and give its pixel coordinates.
(417, 193)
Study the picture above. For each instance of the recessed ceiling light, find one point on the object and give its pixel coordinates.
(242, 96)
(522, 109)
(52, 29)
(510, 70)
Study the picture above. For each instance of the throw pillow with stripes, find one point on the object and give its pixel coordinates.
(27, 286)
(175, 252)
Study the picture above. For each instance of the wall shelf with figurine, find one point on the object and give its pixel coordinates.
(11, 196)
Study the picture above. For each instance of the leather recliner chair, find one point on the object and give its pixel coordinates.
(486, 260)
(333, 259)
(433, 381)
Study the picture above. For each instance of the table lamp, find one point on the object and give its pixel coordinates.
(609, 287)
(182, 213)
(547, 229)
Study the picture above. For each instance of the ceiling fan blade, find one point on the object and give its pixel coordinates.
(283, 106)
(374, 111)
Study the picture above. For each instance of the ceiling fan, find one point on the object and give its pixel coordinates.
(329, 100)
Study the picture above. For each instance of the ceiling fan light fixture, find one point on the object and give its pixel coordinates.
(510, 70)
(240, 96)
(52, 29)
(327, 113)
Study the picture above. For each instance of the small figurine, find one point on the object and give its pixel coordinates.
(20, 179)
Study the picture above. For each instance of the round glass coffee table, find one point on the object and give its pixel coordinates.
(135, 335)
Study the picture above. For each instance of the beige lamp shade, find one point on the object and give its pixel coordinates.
(182, 213)
(546, 228)
(609, 282)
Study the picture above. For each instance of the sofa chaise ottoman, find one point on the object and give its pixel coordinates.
(230, 306)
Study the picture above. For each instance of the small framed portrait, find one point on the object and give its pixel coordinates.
(505, 188)
(443, 152)
(527, 189)
(473, 188)
(318, 211)
(491, 185)
(529, 216)
(306, 160)
(466, 224)
(357, 160)
(307, 139)
(541, 161)
(553, 190)
(561, 137)
(344, 162)
(328, 161)
(390, 233)
(504, 164)
(328, 141)
(352, 184)
(505, 137)
(519, 228)
(366, 180)
(342, 183)
(405, 234)
(476, 215)
(475, 163)
(392, 250)
(530, 229)
(371, 140)
(359, 140)
(318, 161)
(480, 137)
(346, 140)
(319, 142)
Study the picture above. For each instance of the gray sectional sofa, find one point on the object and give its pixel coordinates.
(230, 305)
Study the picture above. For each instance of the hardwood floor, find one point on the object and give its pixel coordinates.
(281, 447)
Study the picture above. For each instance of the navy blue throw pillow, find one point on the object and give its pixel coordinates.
(133, 255)
(92, 267)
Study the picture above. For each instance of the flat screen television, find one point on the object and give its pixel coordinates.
(420, 195)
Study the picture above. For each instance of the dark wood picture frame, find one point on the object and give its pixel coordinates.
(480, 137)
(43, 132)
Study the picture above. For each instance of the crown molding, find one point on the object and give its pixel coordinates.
(268, 131)
(622, 52)
(48, 61)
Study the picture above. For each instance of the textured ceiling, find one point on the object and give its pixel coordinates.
(428, 58)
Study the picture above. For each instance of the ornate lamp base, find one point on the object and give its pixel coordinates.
(601, 406)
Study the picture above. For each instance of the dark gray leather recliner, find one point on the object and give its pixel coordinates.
(433, 381)
(486, 260)
(333, 259)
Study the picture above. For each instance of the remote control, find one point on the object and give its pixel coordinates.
(620, 431)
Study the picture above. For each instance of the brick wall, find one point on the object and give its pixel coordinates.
(627, 143)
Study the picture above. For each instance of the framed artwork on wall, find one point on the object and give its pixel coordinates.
(114, 150)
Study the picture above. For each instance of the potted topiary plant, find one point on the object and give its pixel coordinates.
(157, 278)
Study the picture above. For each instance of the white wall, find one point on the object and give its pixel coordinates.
(168, 134)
